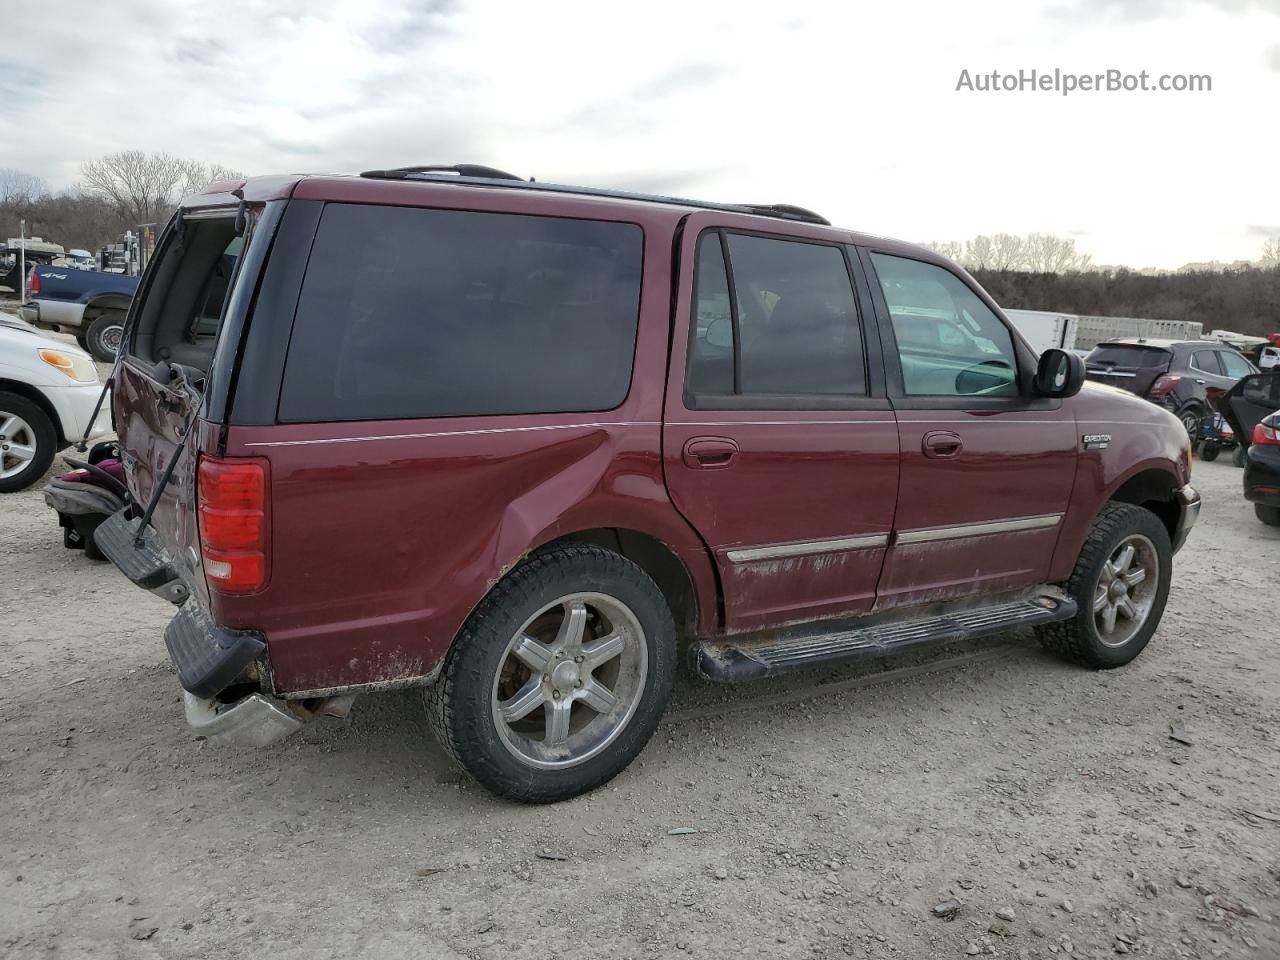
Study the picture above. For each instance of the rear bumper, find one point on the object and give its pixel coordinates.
(255, 721)
(1262, 475)
(1188, 514)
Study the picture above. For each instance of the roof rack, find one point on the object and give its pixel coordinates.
(481, 176)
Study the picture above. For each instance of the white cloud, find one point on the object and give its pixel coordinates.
(849, 109)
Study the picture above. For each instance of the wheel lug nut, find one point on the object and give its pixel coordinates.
(555, 694)
(578, 659)
(578, 683)
(546, 678)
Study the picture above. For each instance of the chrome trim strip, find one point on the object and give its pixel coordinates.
(959, 531)
(456, 433)
(780, 550)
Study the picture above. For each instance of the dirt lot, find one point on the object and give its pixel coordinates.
(831, 814)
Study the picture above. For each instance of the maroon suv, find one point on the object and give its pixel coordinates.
(520, 444)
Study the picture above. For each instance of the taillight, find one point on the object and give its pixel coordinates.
(34, 286)
(1266, 435)
(233, 523)
(1164, 385)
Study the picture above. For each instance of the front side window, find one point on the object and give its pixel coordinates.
(1235, 365)
(949, 342)
(789, 326)
(409, 313)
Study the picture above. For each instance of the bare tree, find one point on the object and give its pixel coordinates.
(1271, 252)
(951, 249)
(1046, 253)
(979, 253)
(145, 187)
(17, 187)
(1008, 252)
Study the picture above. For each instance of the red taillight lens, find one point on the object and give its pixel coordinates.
(1164, 385)
(1266, 435)
(34, 286)
(233, 523)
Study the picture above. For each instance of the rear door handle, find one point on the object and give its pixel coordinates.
(710, 453)
(942, 443)
(1199, 381)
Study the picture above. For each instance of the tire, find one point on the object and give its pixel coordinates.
(82, 338)
(1191, 416)
(1209, 452)
(483, 677)
(1238, 457)
(1082, 639)
(1267, 514)
(28, 445)
(103, 337)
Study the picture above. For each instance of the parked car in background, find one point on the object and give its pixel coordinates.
(518, 443)
(16, 253)
(89, 304)
(78, 260)
(48, 390)
(1185, 377)
(1252, 407)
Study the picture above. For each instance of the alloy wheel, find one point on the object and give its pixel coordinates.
(1126, 590)
(17, 445)
(570, 680)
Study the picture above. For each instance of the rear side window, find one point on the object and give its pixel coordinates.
(408, 313)
(1134, 358)
(791, 327)
(1206, 360)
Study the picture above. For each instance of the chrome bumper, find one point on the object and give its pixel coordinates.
(255, 721)
(1188, 514)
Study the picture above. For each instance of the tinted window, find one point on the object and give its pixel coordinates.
(430, 313)
(1130, 357)
(1206, 360)
(949, 342)
(1234, 364)
(796, 325)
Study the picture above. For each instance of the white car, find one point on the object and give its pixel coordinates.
(48, 389)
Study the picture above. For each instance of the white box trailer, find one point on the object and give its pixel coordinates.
(1044, 329)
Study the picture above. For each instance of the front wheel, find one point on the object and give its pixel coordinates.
(1120, 584)
(27, 442)
(1191, 417)
(1267, 514)
(559, 677)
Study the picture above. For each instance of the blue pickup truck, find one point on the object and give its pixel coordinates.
(87, 303)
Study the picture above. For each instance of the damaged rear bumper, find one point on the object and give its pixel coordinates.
(255, 721)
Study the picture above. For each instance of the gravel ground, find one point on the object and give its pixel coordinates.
(821, 817)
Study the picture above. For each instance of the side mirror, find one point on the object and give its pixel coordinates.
(1059, 374)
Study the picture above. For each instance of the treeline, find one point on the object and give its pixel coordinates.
(1245, 299)
(116, 193)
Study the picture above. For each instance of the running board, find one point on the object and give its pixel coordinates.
(752, 657)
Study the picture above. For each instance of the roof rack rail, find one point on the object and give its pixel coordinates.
(473, 170)
(476, 175)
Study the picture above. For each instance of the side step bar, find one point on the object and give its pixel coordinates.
(751, 658)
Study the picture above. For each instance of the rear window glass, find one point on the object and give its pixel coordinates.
(1139, 357)
(408, 313)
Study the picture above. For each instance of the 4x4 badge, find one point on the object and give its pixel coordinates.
(1096, 441)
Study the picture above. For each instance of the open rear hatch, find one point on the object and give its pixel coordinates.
(1129, 366)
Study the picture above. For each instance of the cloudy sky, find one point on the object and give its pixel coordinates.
(848, 108)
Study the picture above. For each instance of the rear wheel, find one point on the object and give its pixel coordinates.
(104, 336)
(559, 677)
(1191, 415)
(27, 442)
(1120, 584)
(1209, 452)
(1267, 514)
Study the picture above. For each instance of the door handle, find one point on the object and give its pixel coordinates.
(1199, 381)
(710, 453)
(942, 443)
